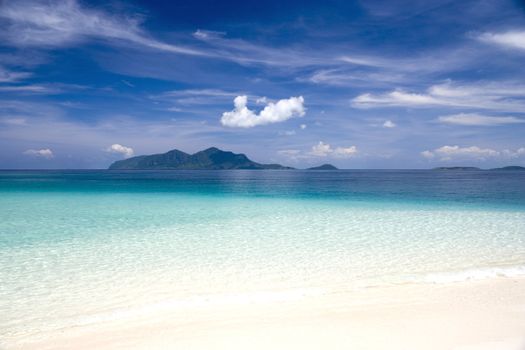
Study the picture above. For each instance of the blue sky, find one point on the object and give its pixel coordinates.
(359, 84)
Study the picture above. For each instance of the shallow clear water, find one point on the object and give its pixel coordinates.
(79, 247)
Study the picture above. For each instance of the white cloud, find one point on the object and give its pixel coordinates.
(364, 61)
(389, 124)
(473, 119)
(394, 98)
(44, 153)
(196, 97)
(502, 96)
(454, 152)
(447, 153)
(302, 126)
(520, 152)
(323, 150)
(427, 154)
(345, 151)
(242, 117)
(356, 77)
(512, 39)
(207, 34)
(262, 100)
(125, 151)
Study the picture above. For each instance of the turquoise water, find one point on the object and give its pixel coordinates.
(84, 247)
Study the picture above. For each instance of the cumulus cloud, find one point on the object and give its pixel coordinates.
(389, 124)
(446, 153)
(520, 152)
(242, 117)
(474, 119)
(323, 150)
(44, 153)
(512, 39)
(125, 151)
(345, 151)
(319, 150)
(303, 126)
(503, 96)
(427, 154)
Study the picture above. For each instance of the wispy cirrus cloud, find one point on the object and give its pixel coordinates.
(474, 119)
(196, 96)
(40, 89)
(362, 69)
(514, 39)
(42, 24)
(246, 53)
(32, 89)
(13, 120)
(194, 101)
(502, 96)
(64, 23)
(10, 76)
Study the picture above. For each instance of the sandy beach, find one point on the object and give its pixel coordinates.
(475, 315)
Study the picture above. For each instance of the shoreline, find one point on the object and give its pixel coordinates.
(484, 314)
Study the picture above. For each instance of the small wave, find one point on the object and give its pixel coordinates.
(473, 274)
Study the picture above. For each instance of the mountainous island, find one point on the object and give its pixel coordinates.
(208, 159)
(324, 167)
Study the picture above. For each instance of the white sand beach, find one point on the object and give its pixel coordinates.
(474, 315)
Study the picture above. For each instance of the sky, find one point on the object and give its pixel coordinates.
(358, 84)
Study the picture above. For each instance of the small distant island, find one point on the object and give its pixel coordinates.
(468, 168)
(324, 167)
(510, 167)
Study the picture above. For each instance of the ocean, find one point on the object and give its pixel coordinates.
(79, 248)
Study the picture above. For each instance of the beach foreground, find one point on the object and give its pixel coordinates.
(474, 315)
(262, 260)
